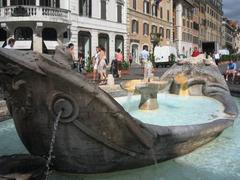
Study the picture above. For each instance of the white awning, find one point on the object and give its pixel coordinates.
(22, 45)
(51, 45)
(1, 43)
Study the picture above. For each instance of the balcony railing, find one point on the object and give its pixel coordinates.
(35, 12)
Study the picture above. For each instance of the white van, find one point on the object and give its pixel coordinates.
(162, 55)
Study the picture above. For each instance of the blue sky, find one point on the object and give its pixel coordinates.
(231, 9)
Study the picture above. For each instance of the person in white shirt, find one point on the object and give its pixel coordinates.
(144, 55)
(216, 57)
(10, 44)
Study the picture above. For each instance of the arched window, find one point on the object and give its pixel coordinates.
(85, 8)
(134, 26)
(119, 43)
(49, 34)
(103, 40)
(84, 45)
(168, 33)
(154, 29)
(23, 33)
(145, 29)
(161, 31)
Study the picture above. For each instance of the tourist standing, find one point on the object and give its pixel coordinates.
(102, 66)
(216, 57)
(119, 59)
(144, 55)
(95, 63)
(130, 58)
(10, 43)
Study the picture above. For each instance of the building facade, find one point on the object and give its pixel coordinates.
(197, 21)
(183, 26)
(144, 18)
(228, 35)
(45, 23)
(237, 40)
(213, 21)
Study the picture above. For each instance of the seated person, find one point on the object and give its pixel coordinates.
(231, 70)
(195, 52)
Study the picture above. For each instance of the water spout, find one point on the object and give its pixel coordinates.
(180, 85)
(55, 127)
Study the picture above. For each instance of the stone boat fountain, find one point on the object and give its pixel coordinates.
(95, 133)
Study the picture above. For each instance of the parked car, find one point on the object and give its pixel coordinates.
(164, 55)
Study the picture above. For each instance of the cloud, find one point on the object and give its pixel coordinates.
(231, 9)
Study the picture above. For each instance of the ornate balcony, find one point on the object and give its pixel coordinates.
(34, 13)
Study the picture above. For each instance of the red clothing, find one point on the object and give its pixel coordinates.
(119, 56)
(195, 53)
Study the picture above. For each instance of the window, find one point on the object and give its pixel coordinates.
(3, 3)
(50, 3)
(103, 40)
(103, 9)
(161, 31)
(154, 29)
(84, 45)
(22, 2)
(154, 10)
(119, 13)
(146, 7)
(85, 8)
(168, 15)
(161, 12)
(134, 26)
(135, 4)
(145, 29)
(168, 33)
(3, 34)
(23, 33)
(119, 43)
(184, 22)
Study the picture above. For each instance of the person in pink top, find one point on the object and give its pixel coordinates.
(119, 59)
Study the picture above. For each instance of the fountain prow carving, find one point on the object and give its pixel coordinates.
(95, 134)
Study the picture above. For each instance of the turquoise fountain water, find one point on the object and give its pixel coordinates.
(175, 110)
(218, 160)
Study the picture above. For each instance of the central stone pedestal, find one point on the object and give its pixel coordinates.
(148, 96)
(148, 91)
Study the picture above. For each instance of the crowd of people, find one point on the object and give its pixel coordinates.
(99, 61)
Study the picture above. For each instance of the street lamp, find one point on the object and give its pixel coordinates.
(155, 39)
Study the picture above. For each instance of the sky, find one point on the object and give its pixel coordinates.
(231, 9)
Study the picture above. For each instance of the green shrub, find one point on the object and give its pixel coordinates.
(124, 65)
(172, 59)
(234, 57)
(89, 65)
